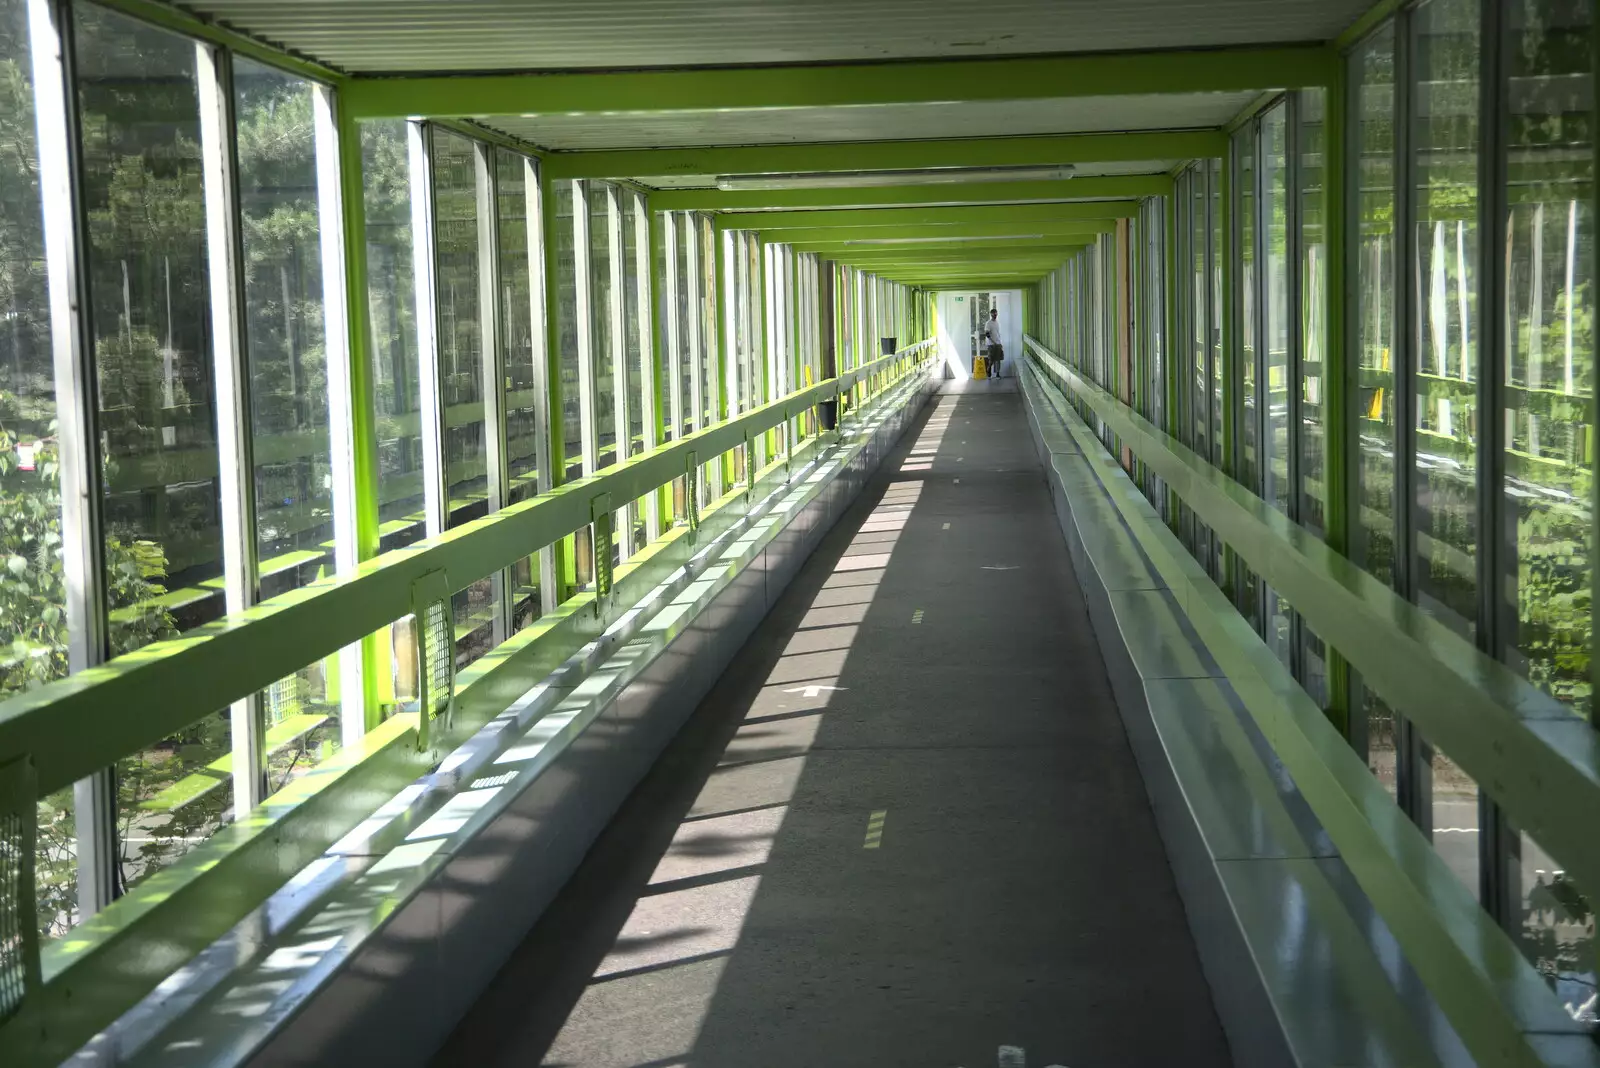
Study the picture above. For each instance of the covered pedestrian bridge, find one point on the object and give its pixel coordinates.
(515, 550)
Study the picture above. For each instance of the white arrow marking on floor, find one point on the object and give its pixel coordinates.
(814, 690)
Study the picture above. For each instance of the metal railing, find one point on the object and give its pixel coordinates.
(73, 727)
(1538, 760)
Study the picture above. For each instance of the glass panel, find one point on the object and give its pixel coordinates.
(1275, 298)
(561, 231)
(601, 323)
(688, 345)
(518, 329)
(709, 353)
(1313, 313)
(1219, 456)
(142, 187)
(455, 195)
(286, 349)
(1381, 735)
(1549, 386)
(283, 325)
(33, 622)
(519, 337)
(1372, 69)
(636, 291)
(461, 371)
(1244, 194)
(1455, 818)
(138, 91)
(392, 310)
(1445, 283)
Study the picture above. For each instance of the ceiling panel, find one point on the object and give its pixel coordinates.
(440, 35)
(878, 122)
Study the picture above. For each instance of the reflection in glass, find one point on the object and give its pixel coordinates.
(521, 342)
(1244, 199)
(461, 371)
(1372, 69)
(602, 321)
(1549, 388)
(461, 377)
(392, 314)
(566, 310)
(142, 187)
(1445, 133)
(518, 329)
(1454, 804)
(1274, 275)
(1313, 253)
(285, 346)
(33, 620)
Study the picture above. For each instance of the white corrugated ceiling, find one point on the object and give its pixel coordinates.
(881, 122)
(483, 35)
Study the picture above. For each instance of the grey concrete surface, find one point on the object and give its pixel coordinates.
(904, 829)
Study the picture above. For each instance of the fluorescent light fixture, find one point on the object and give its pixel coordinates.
(869, 179)
(943, 240)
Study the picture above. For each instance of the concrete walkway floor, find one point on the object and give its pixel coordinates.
(905, 829)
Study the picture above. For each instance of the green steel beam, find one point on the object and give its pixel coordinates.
(1044, 228)
(1047, 150)
(911, 247)
(1133, 185)
(922, 253)
(990, 215)
(1215, 70)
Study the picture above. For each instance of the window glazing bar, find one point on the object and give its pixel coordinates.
(622, 404)
(588, 433)
(539, 327)
(492, 366)
(419, 145)
(649, 343)
(236, 465)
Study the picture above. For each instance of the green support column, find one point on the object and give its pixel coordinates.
(364, 423)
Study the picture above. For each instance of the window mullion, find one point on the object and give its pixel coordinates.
(492, 365)
(236, 467)
(420, 172)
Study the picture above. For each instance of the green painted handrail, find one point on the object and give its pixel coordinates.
(1539, 761)
(87, 721)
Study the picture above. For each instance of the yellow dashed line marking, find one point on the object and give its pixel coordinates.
(916, 617)
(875, 829)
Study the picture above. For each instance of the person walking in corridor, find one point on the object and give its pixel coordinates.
(991, 334)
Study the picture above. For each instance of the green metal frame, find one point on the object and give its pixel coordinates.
(79, 724)
(1497, 1004)
(917, 221)
(1534, 756)
(982, 152)
(1134, 185)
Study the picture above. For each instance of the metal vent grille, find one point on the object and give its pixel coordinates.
(19, 963)
(436, 652)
